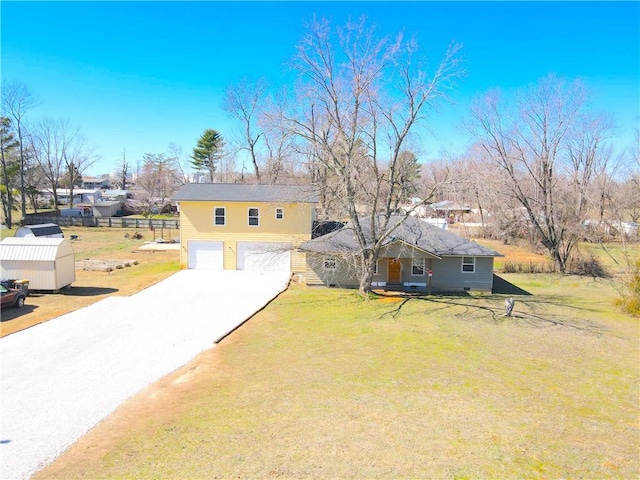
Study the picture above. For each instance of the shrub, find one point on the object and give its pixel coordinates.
(588, 267)
(527, 267)
(631, 301)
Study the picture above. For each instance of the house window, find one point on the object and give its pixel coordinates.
(279, 213)
(417, 266)
(469, 264)
(254, 217)
(329, 263)
(219, 216)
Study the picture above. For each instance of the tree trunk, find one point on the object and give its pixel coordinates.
(369, 260)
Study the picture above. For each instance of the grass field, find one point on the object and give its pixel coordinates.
(322, 384)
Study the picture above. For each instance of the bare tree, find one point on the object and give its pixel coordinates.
(122, 173)
(17, 101)
(34, 180)
(157, 182)
(359, 103)
(548, 147)
(179, 161)
(48, 145)
(242, 102)
(77, 158)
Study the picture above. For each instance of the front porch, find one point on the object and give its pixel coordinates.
(403, 274)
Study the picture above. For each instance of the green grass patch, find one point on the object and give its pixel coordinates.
(322, 384)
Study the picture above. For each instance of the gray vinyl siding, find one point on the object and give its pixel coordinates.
(344, 276)
(447, 273)
(449, 277)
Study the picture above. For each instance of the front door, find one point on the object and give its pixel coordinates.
(394, 274)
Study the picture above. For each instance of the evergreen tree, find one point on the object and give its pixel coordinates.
(208, 152)
(10, 168)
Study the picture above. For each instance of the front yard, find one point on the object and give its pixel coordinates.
(321, 384)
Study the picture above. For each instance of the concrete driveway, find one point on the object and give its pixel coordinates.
(60, 378)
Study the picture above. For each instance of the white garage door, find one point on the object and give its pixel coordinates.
(266, 256)
(205, 255)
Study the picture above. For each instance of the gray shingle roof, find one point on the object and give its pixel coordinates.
(235, 192)
(412, 231)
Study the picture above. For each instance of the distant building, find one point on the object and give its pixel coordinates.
(95, 183)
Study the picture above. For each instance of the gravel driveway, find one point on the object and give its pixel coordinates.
(62, 377)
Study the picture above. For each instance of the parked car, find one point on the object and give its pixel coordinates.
(12, 297)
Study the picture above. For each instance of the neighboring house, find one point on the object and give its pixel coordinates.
(244, 227)
(452, 211)
(108, 209)
(95, 183)
(415, 257)
(80, 196)
(116, 195)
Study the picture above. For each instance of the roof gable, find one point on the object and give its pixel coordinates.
(34, 248)
(234, 192)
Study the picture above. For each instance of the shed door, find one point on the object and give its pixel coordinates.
(266, 256)
(205, 255)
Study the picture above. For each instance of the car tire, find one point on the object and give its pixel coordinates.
(19, 302)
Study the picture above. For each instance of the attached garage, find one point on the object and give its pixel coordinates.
(264, 256)
(205, 255)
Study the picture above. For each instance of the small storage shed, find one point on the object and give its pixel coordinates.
(47, 230)
(48, 263)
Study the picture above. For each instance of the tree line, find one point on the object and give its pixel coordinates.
(540, 165)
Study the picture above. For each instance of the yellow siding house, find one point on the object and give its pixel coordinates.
(245, 227)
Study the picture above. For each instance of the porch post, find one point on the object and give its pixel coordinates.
(429, 274)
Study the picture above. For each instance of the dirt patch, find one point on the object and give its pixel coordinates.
(103, 265)
(394, 299)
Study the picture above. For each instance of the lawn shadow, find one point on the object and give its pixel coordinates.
(500, 285)
(10, 313)
(88, 291)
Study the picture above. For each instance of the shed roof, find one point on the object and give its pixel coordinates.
(44, 229)
(235, 192)
(411, 231)
(34, 248)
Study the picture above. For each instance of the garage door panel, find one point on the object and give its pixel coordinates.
(264, 256)
(205, 255)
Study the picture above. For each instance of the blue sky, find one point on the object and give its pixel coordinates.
(135, 76)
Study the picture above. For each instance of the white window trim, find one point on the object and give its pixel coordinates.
(281, 213)
(421, 264)
(473, 264)
(224, 216)
(249, 216)
(330, 259)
